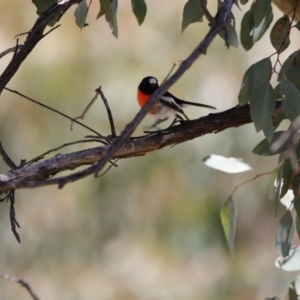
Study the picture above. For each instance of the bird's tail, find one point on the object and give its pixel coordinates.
(183, 103)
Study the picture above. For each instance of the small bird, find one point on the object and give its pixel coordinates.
(167, 106)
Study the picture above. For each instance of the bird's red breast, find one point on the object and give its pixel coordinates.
(142, 99)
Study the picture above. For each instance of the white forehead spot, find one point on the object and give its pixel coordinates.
(152, 80)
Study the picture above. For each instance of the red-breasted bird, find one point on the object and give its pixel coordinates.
(167, 106)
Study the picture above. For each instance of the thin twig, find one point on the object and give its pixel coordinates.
(12, 49)
(22, 282)
(13, 221)
(251, 179)
(16, 51)
(52, 29)
(113, 164)
(54, 110)
(6, 158)
(110, 117)
(86, 109)
(170, 72)
(11, 194)
(206, 13)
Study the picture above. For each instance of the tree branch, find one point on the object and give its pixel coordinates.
(220, 21)
(22, 282)
(109, 151)
(35, 175)
(34, 36)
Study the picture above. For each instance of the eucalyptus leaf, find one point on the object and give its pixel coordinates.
(109, 9)
(286, 177)
(192, 13)
(232, 35)
(291, 69)
(258, 74)
(290, 99)
(291, 262)
(280, 33)
(139, 9)
(44, 5)
(284, 234)
(278, 185)
(261, 9)
(228, 220)
(225, 164)
(263, 148)
(247, 30)
(81, 12)
(262, 103)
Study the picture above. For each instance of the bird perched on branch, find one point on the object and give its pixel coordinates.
(167, 106)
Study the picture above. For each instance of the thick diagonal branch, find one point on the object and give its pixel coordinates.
(35, 175)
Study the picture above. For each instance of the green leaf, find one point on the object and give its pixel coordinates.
(44, 5)
(191, 13)
(291, 69)
(296, 203)
(247, 30)
(236, 2)
(298, 25)
(296, 185)
(251, 33)
(105, 9)
(81, 12)
(286, 177)
(293, 292)
(262, 103)
(263, 148)
(284, 234)
(113, 23)
(297, 223)
(109, 9)
(290, 263)
(258, 74)
(290, 99)
(278, 118)
(263, 26)
(261, 9)
(139, 9)
(257, 89)
(232, 35)
(280, 34)
(101, 11)
(278, 188)
(228, 220)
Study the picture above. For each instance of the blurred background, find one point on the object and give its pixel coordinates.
(150, 228)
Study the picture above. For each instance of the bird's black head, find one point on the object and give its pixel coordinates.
(148, 85)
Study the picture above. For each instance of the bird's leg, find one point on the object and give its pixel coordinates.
(158, 121)
(174, 122)
(178, 119)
